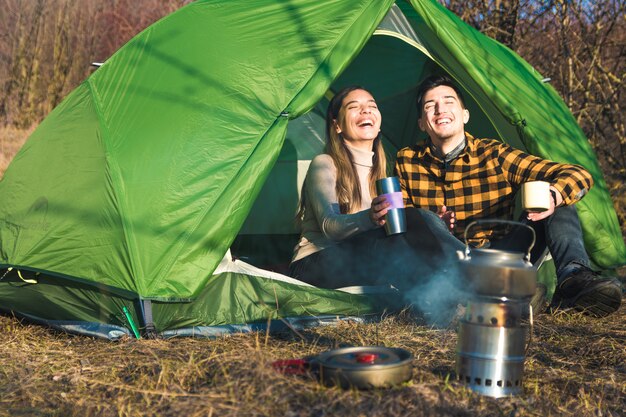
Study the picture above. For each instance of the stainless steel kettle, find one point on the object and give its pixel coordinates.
(498, 273)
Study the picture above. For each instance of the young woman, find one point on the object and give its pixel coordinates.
(342, 242)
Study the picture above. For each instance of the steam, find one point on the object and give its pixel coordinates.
(439, 296)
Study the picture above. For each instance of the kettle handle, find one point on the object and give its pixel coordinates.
(510, 222)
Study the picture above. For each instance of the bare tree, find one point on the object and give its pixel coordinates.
(23, 21)
(580, 46)
(46, 47)
(495, 18)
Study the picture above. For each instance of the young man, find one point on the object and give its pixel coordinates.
(463, 179)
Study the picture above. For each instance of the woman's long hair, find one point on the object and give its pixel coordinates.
(347, 187)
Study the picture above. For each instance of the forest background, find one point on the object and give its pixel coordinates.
(47, 48)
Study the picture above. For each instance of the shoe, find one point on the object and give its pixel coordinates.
(588, 292)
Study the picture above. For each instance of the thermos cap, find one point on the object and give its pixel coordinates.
(388, 185)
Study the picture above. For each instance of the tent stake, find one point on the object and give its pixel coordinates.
(131, 322)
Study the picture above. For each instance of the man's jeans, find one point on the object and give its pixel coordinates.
(560, 233)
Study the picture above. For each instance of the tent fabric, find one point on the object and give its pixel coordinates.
(195, 137)
(152, 163)
(238, 296)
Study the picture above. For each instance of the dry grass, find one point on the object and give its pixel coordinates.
(576, 366)
(11, 140)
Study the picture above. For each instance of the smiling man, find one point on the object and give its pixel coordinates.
(462, 179)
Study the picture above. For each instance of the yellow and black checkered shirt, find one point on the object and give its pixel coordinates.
(482, 181)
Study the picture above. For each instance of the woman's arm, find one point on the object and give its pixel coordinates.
(322, 197)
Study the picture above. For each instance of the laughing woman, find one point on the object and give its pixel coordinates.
(342, 242)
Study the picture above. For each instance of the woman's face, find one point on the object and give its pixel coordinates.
(359, 119)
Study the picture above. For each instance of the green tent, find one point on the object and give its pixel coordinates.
(194, 138)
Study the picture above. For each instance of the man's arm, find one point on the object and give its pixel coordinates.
(571, 182)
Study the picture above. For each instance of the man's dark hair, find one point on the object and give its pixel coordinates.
(432, 82)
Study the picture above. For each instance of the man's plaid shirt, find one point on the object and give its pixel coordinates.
(482, 181)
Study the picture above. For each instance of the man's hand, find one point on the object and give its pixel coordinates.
(380, 207)
(448, 217)
(535, 217)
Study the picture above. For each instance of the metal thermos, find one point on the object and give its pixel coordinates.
(395, 219)
(493, 333)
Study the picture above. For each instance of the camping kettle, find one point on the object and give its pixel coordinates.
(493, 332)
(498, 273)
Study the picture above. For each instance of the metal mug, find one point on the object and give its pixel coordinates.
(395, 219)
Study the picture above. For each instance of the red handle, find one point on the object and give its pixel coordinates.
(291, 366)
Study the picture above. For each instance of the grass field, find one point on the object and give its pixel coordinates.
(575, 366)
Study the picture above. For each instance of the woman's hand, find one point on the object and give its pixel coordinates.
(380, 207)
(448, 217)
